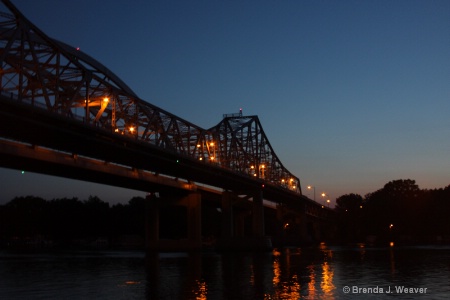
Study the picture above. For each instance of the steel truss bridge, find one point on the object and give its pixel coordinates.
(63, 105)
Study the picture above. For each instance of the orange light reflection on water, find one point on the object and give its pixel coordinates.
(284, 289)
(201, 290)
(327, 279)
(312, 281)
(319, 280)
(276, 268)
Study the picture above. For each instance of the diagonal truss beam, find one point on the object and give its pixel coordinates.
(245, 148)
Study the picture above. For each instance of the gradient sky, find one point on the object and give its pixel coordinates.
(351, 94)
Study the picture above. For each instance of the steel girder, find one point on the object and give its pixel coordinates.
(243, 147)
(52, 75)
(48, 74)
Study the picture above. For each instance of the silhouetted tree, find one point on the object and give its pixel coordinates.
(96, 217)
(349, 217)
(27, 216)
(434, 219)
(66, 219)
(400, 203)
(136, 215)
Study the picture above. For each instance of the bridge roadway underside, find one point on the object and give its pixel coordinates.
(41, 128)
(33, 139)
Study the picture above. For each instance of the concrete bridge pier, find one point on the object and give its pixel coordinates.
(295, 225)
(259, 239)
(193, 239)
(258, 215)
(151, 222)
(233, 235)
(227, 230)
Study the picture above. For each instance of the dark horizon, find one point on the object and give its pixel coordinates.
(361, 88)
(400, 212)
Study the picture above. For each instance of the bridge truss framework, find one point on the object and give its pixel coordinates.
(53, 76)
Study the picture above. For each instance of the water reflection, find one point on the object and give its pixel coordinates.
(291, 273)
(200, 290)
(312, 281)
(327, 279)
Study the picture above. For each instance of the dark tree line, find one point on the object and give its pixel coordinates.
(400, 211)
(66, 220)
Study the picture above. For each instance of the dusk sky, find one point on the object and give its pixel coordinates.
(351, 94)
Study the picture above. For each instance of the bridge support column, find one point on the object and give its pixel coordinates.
(227, 215)
(194, 219)
(258, 214)
(151, 222)
(233, 225)
(306, 239)
(193, 238)
(239, 224)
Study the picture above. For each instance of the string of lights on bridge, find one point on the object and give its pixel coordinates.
(211, 146)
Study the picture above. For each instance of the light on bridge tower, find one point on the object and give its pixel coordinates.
(199, 154)
(87, 117)
(262, 169)
(292, 184)
(113, 114)
(212, 151)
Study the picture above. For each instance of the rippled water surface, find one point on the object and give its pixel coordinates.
(294, 273)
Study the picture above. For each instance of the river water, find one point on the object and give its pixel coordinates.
(292, 273)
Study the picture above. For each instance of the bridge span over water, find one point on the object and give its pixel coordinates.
(65, 114)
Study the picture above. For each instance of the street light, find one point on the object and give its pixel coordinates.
(312, 187)
(324, 195)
